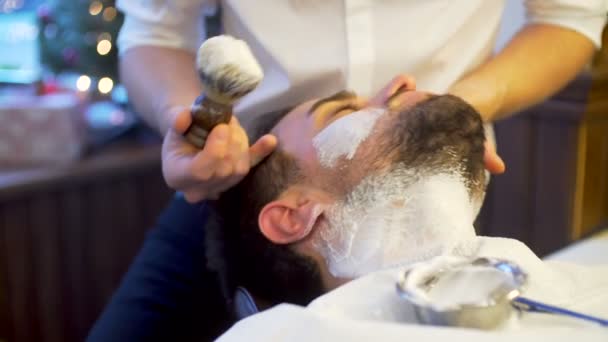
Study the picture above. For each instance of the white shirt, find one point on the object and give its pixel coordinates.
(369, 309)
(312, 48)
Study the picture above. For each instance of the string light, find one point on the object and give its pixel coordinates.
(105, 85)
(83, 83)
(104, 47)
(95, 8)
(109, 13)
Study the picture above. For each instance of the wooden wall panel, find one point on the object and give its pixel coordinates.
(553, 191)
(591, 200)
(593, 183)
(17, 258)
(75, 295)
(65, 245)
(534, 200)
(507, 208)
(46, 233)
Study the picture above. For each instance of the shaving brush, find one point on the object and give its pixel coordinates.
(228, 71)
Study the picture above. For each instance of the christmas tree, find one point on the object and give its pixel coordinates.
(80, 36)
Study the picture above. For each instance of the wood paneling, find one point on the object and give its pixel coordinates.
(591, 199)
(507, 208)
(555, 189)
(17, 261)
(66, 243)
(533, 200)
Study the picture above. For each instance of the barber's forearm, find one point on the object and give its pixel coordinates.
(158, 79)
(537, 62)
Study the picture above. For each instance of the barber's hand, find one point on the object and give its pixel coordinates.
(223, 162)
(486, 100)
(493, 163)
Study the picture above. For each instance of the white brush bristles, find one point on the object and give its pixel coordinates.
(227, 65)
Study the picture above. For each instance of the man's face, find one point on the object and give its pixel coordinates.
(384, 202)
(334, 139)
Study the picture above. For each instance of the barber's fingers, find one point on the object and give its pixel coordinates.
(206, 161)
(238, 153)
(225, 147)
(209, 190)
(236, 149)
(398, 83)
(181, 118)
(401, 81)
(261, 149)
(195, 196)
(492, 161)
(224, 160)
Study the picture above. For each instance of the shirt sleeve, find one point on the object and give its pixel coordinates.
(168, 294)
(166, 23)
(587, 17)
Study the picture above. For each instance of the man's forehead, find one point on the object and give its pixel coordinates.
(308, 107)
(299, 111)
(264, 124)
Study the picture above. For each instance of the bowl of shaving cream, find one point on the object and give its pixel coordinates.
(462, 292)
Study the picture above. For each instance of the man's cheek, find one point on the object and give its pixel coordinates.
(341, 139)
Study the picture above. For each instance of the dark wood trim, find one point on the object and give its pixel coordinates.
(591, 198)
(555, 189)
(67, 236)
(116, 161)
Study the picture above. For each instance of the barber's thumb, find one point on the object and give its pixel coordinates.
(262, 148)
(182, 119)
(493, 163)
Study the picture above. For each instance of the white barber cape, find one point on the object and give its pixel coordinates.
(368, 309)
(312, 48)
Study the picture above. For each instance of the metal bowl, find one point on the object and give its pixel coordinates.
(487, 315)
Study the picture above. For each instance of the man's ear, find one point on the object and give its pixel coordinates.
(290, 218)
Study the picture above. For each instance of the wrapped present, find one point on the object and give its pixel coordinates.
(41, 129)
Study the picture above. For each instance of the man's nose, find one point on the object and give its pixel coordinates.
(387, 96)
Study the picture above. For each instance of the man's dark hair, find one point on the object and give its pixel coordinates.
(244, 257)
(440, 132)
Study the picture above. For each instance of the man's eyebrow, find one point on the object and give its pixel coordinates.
(341, 95)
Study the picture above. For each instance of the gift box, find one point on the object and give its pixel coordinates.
(45, 129)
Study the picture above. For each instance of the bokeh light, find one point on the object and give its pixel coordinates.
(83, 83)
(105, 85)
(104, 47)
(95, 8)
(109, 14)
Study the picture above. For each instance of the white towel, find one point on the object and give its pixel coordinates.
(368, 309)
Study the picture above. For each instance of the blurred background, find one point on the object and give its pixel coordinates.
(80, 178)
(59, 56)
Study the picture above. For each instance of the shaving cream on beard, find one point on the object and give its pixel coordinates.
(395, 219)
(343, 136)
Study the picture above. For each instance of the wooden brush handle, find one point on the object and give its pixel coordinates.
(206, 114)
